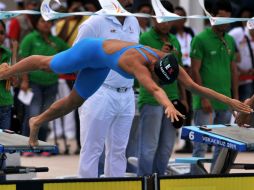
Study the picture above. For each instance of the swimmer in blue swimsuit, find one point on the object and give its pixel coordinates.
(93, 58)
(93, 63)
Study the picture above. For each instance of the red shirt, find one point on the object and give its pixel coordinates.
(14, 30)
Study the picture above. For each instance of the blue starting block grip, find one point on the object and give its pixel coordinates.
(193, 160)
(209, 135)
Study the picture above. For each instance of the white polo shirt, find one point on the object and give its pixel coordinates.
(243, 48)
(110, 28)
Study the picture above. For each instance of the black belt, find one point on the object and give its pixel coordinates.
(120, 89)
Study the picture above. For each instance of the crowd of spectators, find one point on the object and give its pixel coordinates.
(218, 66)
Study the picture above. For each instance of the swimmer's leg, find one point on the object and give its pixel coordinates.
(83, 55)
(87, 82)
(31, 63)
(56, 110)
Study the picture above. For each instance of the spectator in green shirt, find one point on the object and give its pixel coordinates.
(43, 84)
(156, 134)
(212, 53)
(6, 98)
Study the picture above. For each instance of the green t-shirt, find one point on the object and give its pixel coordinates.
(34, 44)
(216, 58)
(152, 39)
(6, 98)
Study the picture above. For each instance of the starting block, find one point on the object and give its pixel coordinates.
(231, 138)
(11, 142)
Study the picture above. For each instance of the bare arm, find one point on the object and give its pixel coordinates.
(209, 93)
(56, 110)
(31, 63)
(144, 77)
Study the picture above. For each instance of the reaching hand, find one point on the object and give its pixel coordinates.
(242, 118)
(173, 113)
(240, 107)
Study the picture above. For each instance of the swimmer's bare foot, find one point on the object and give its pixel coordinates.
(34, 130)
(3, 68)
(242, 118)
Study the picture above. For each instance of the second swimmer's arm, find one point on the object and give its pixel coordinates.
(190, 85)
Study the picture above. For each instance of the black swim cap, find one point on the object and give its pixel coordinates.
(167, 69)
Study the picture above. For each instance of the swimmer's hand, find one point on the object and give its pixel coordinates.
(240, 107)
(173, 113)
(241, 118)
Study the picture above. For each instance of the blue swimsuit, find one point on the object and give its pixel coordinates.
(93, 63)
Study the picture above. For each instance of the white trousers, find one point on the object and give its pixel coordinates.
(105, 119)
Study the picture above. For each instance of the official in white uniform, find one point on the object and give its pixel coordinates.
(106, 117)
(244, 42)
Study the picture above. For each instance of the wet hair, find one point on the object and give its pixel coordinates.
(167, 69)
(220, 5)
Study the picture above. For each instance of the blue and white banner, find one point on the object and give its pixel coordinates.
(10, 14)
(114, 8)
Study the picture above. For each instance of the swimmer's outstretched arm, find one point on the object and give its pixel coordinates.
(31, 63)
(190, 85)
(56, 110)
(143, 75)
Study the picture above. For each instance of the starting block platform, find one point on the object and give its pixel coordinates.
(11, 142)
(227, 136)
(231, 138)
